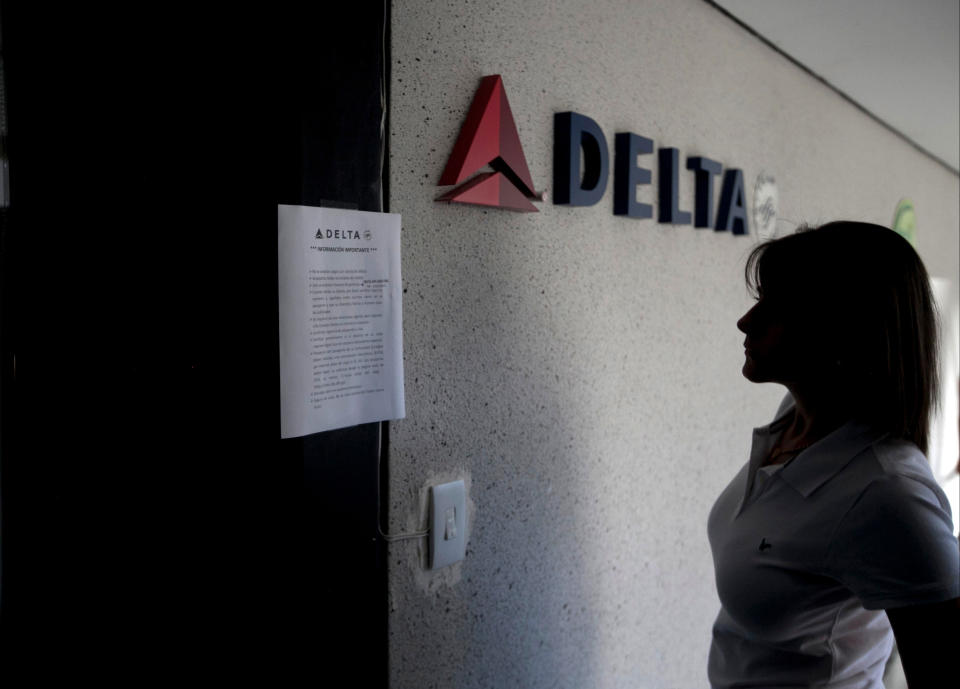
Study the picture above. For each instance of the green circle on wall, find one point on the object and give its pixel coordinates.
(905, 221)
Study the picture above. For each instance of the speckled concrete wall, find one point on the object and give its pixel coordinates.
(582, 371)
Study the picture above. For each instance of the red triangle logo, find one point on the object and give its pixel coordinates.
(489, 137)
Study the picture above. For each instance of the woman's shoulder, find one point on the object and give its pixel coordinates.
(894, 544)
(902, 471)
(895, 492)
(900, 457)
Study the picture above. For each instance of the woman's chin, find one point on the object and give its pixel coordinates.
(751, 373)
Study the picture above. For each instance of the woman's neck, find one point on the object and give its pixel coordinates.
(817, 413)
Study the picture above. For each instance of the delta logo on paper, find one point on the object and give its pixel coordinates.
(489, 138)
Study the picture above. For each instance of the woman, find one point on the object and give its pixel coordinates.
(835, 529)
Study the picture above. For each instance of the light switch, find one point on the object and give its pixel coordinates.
(448, 524)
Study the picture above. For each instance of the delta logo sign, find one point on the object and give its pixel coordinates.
(489, 137)
(489, 144)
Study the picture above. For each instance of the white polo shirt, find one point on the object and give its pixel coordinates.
(806, 564)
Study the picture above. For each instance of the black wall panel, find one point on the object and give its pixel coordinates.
(332, 150)
(151, 521)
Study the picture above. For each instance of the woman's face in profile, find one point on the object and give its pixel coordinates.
(779, 346)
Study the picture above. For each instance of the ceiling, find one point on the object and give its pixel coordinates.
(898, 59)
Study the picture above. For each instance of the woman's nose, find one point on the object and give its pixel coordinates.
(744, 323)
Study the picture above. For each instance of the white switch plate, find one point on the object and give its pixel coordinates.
(448, 524)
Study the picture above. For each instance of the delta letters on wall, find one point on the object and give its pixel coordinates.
(489, 138)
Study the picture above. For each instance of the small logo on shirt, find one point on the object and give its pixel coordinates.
(764, 545)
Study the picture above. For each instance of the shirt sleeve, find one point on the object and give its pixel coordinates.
(895, 546)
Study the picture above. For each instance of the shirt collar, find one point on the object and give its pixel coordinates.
(824, 459)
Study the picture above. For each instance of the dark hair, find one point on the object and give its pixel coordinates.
(869, 287)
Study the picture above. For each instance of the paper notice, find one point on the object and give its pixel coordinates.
(341, 347)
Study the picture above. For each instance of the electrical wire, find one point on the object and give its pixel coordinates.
(383, 100)
(390, 538)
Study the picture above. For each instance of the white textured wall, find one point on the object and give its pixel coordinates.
(582, 371)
